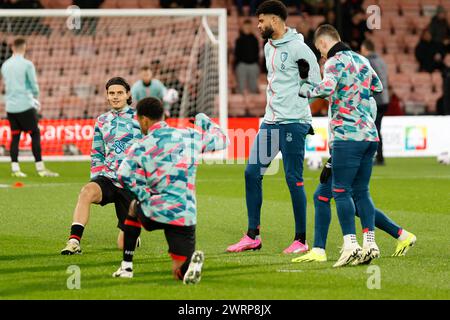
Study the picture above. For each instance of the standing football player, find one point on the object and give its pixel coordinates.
(149, 86)
(349, 81)
(286, 123)
(21, 94)
(160, 171)
(114, 132)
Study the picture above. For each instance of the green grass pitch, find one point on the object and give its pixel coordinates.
(35, 221)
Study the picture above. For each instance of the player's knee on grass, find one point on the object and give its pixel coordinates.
(90, 193)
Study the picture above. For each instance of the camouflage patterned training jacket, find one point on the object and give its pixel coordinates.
(114, 132)
(349, 81)
(160, 169)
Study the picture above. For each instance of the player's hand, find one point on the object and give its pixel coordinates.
(303, 90)
(36, 104)
(303, 68)
(326, 172)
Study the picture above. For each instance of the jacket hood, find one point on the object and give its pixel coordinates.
(289, 36)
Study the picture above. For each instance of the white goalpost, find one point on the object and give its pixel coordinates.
(75, 51)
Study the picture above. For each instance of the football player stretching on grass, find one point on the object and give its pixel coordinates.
(322, 198)
(349, 81)
(286, 123)
(114, 132)
(160, 171)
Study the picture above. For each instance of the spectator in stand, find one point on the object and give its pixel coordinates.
(330, 18)
(246, 59)
(359, 29)
(429, 54)
(439, 28)
(252, 3)
(291, 3)
(304, 27)
(354, 23)
(382, 98)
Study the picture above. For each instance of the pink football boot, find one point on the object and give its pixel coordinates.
(297, 247)
(246, 243)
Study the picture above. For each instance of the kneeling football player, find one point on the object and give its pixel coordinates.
(160, 171)
(115, 131)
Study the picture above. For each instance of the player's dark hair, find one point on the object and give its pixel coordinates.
(274, 7)
(145, 68)
(151, 108)
(121, 82)
(327, 30)
(19, 42)
(369, 45)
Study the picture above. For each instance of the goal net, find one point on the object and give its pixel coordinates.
(76, 51)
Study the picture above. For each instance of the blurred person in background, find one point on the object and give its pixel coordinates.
(382, 98)
(439, 28)
(304, 27)
(252, 3)
(429, 54)
(246, 59)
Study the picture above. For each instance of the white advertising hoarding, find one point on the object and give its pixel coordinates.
(403, 136)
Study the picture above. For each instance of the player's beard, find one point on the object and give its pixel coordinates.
(267, 33)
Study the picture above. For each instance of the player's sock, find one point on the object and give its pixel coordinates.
(132, 230)
(127, 265)
(350, 241)
(368, 238)
(40, 166)
(319, 251)
(253, 233)
(183, 269)
(15, 166)
(76, 231)
(14, 147)
(298, 197)
(300, 237)
(403, 235)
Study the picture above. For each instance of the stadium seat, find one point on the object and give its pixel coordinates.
(236, 105)
(256, 104)
(436, 78)
(109, 4)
